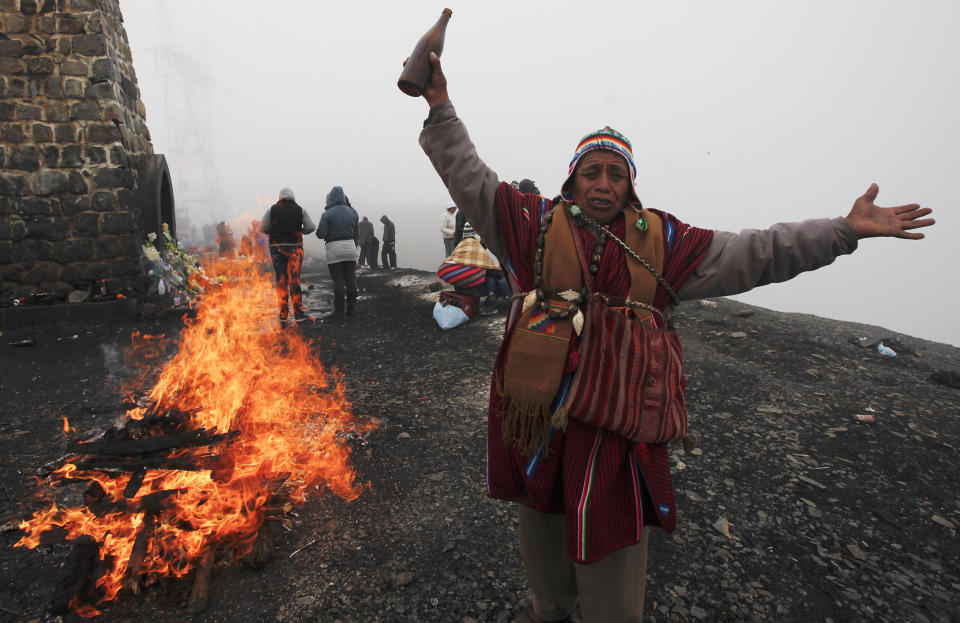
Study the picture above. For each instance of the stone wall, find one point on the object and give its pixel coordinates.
(73, 147)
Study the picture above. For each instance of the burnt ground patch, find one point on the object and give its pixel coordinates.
(828, 518)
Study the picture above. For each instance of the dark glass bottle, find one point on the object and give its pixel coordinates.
(416, 73)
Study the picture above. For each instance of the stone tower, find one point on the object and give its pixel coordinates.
(80, 186)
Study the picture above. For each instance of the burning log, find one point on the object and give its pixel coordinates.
(135, 563)
(202, 570)
(262, 550)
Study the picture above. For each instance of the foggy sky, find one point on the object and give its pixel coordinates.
(741, 114)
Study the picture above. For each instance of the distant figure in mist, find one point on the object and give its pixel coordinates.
(284, 223)
(369, 244)
(226, 244)
(448, 227)
(589, 267)
(340, 229)
(388, 255)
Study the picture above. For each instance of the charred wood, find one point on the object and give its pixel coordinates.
(201, 582)
(135, 563)
(78, 578)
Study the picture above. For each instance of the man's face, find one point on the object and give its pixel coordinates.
(601, 185)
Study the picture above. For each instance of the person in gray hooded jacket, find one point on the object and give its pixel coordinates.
(339, 228)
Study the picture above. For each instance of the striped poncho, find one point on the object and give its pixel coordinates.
(607, 487)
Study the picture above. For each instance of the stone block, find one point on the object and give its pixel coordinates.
(69, 24)
(16, 88)
(90, 45)
(25, 251)
(129, 244)
(99, 91)
(74, 250)
(13, 185)
(41, 66)
(8, 5)
(79, 273)
(103, 201)
(86, 225)
(85, 111)
(128, 199)
(42, 133)
(29, 113)
(7, 111)
(33, 207)
(83, 5)
(65, 133)
(49, 6)
(26, 158)
(95, 155)
(14, 24)
(32, 48)
(11, 47)
(77, 184)
(129, 88)
(12, 66)
(127, 266)
(51, 156)
(109, 247)
(53, 87)
(12, 133)
(113, 177)
(28, 7)
(73, 88)
(71, 206)
(6, 246)
(94, 23)
(70, 156)
(50, 228)
(18, 230)
(117, 223)
(74, 68)
(102, 134)
(118, 156)
(103, 69)
(48, 182)
(57, 112)
(41, 272)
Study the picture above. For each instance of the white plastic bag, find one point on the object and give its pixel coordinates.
(448, 316)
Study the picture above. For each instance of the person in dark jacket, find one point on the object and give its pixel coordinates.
(339, 228)
(285, 222)
(388, 255)
(369, 245)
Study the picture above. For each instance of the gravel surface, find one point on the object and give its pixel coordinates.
(790, 509)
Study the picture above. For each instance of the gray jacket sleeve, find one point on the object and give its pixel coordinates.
(265, 222)
(471, 183)
(306, 222)
(735, 263)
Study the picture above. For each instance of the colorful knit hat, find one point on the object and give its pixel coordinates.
(608, 139)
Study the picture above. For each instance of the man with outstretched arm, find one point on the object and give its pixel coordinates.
(588, 496)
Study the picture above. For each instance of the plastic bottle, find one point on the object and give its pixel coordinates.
(886, 351)
(416, 73)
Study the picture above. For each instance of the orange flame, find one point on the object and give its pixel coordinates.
(234, 371)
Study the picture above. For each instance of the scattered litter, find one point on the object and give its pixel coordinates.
(886, 351)
(723, 527)
(26, 342)
(769, 410)
(864, 418)
(297, 551)
(943, 521)
(403, 435)
(708, 304)
(811, 481)
(738, 334)
(744, 313)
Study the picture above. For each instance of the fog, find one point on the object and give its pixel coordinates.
(741, 114)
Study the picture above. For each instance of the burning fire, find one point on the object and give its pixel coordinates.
(236, 373)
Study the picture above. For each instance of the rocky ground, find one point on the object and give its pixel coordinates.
(789, 508)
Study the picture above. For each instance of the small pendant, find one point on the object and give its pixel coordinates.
(529, 301)
(578, 322)
(641, 224)
(574, 210)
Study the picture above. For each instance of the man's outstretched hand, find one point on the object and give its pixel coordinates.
(869, 220)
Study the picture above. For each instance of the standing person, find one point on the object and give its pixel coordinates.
(588, 496)
(226, 244)
(448, 227)
(285, 222)
(340, 229)
(388, 255)
(367, 238)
